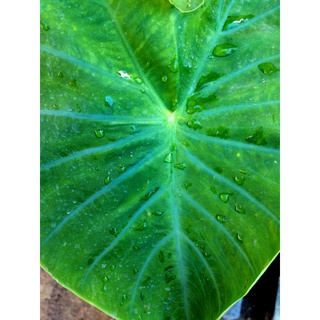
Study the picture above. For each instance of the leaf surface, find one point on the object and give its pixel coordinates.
(159, 153)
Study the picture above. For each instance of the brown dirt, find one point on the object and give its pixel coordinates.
(58, 303)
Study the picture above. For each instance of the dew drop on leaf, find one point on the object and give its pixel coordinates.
(239, 180)
(158, 213)
(221, 218)
(123, 74)
(60, 74)
(187, 185)
(224, 196)
(239, 237)
(44, 26)
(180, 166)
(138, 80)
(135, 248)
(108, 101)
(257, 138)
(121, 169)
(194, 124)
(168, 158)
(99, 133)
(224, 50)
(267, 68)
(173, 65)
(112, 267)
(193, 107)
(164, 79)
(235, 21)
(141, 226)
(221, 132)
(72, 83)
(113, 231)
(149, 194)
(135, 270)
(107, 180)
(239, 208)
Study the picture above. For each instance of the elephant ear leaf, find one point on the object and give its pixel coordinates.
(159, 152)
(187, 5)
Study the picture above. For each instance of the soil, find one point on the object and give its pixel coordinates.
(58, 303)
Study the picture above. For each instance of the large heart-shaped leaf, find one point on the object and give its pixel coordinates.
(160, 152)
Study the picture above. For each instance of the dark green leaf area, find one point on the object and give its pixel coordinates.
(159, 152)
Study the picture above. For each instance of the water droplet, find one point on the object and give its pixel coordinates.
(239, 237)
(73, 83)
(213, 189)
(164, 79)
(56, 107)
(107, 180)
(173, 65)
(138, 80)
(187, 185)
(142, 296)
(60, 74)
(267, 68)
(224, 196)
(121, 169)
(161, 256)
(141, 226)
(206, 254)
(193, 107)
(221, 218)
(235, 21)
(143, 90)
(221, 132)
(123, 299)
(112, 267)
(239, 180)
(180, 166)
(169, 274)
(243, 171)
(108, 101)
(44, 26)
(90, 261)
(168, 158)
(239, 208)
(105, 280)
(158, 213)
(135, 248)
(224, 50)
(257, 138)
(135, 270)
(99, 133)
(123, 74)
(194, 124)
(149, 194)
(113, 231)
(185, 143)
(205, 80)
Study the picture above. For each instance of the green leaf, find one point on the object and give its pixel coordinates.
(187, 5)
(159, 157)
